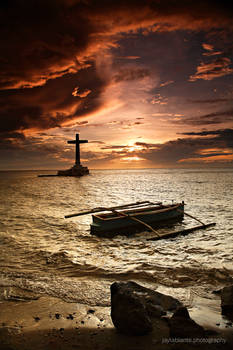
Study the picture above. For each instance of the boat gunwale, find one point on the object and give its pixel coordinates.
(168, 207)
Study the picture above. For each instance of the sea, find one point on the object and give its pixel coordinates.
(42, 253)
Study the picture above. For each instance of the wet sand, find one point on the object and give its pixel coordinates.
(50, 323)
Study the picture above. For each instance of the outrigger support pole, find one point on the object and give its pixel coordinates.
(192, 217)
(134, 219)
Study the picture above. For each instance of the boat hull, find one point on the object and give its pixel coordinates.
(109, 226)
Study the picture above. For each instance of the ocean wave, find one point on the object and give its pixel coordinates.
(91, 286)
(61, 264)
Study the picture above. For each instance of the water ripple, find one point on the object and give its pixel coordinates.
(36, 240)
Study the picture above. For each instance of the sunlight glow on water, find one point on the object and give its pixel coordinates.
(36, 239)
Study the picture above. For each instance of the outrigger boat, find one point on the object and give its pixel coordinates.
(137, 216)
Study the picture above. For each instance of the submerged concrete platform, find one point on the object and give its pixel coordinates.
(76, 170)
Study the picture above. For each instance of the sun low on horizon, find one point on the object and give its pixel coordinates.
(148, 84)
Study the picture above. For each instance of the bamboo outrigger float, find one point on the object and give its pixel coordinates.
(107, 221)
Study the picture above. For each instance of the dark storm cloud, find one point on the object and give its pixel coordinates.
(51, 105)
(11, 140)
(210, 118)
(210, 144)
(211, 101)
(175, 151)
(35, 146)
(45, 39)
(49, 47)
(97, 142)
(223, 135)
(39, 42)
(172, 152)
(110, 147)
(147, 145)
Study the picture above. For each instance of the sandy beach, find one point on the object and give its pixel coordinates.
(51, 323)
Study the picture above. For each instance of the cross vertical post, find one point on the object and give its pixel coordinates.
(77, 150)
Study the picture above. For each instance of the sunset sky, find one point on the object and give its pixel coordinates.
(148, 83)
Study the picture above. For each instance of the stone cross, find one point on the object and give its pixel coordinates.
(77, 143)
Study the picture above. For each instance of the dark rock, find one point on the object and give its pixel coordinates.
(182, 326)
(129, 315)
(70, 317)
(181, 312)
(37, 319)
(154, 310)
(57, 316)
(134, 306)
(91, 311)
(227, 301)
(218, 291)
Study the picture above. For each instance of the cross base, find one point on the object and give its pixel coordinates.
(76, 170)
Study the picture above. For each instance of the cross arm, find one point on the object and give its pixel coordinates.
(74, 141)
(83, 141)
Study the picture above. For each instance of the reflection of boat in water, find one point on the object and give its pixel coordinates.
(136, 218)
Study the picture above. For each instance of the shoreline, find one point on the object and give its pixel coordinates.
(51, 323)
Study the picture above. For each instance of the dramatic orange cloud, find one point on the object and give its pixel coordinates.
(120, 72)
(208, 71)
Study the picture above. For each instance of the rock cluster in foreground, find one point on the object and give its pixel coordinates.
(136, 310)
(134, 307)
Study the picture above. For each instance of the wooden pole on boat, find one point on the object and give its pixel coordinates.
(99, 209)
(94, 210)
(135, 219)
(192, 217)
